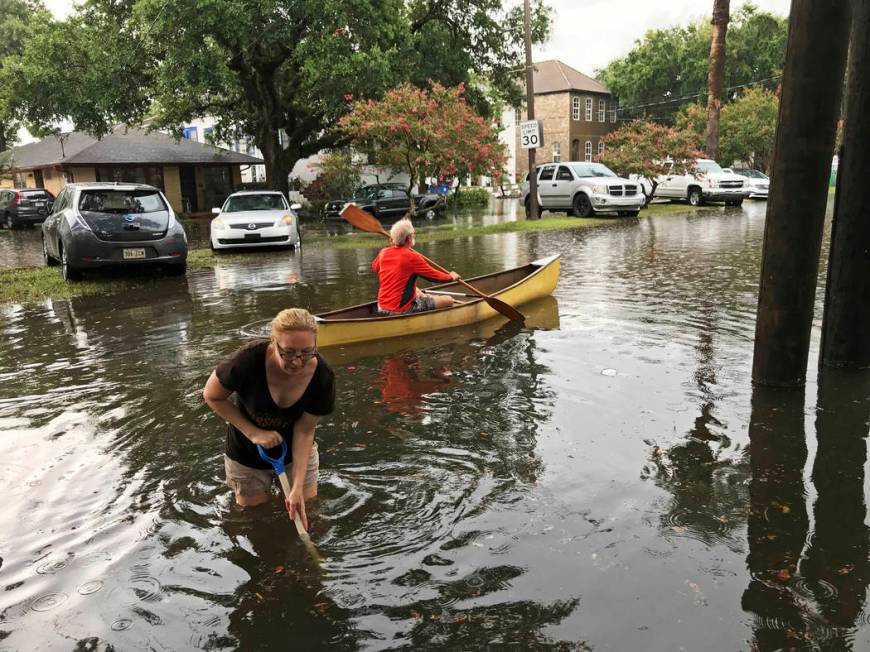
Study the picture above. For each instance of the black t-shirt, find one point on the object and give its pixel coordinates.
(244, 372)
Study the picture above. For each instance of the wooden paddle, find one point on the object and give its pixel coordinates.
(368, 222)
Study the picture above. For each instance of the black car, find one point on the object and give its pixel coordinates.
(24, 206)
(388, 200)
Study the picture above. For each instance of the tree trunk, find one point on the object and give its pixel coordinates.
(278, 162)
(716, 75)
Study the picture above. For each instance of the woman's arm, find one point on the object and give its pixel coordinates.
(217, 397)
(303, 440)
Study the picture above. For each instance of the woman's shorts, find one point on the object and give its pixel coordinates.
(421, 304)
(247, 481)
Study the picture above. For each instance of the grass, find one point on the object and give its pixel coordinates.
(38, 283)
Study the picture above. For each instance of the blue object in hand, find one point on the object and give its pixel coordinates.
(276, 462)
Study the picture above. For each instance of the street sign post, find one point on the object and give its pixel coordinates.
(531, 134)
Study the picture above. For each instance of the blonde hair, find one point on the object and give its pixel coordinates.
(401, 231)
(293, 319)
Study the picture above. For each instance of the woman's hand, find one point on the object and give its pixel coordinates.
(265, 438)
(295, 504)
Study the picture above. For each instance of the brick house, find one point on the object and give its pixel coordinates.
(577, 111)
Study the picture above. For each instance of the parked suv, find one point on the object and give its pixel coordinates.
(758, 183)
(583, 189)
(24, 206)
(388, 200)
(101, 224)
(704, 183)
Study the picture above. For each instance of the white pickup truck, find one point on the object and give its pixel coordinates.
(707, 182)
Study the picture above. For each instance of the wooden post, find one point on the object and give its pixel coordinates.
(530, 111)
(811, 92)
(716, 75)
(846, 326)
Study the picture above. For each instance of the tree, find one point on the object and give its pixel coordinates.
(648, 149)
(340, 172)
(749, 129)
(276, 70)
(693, 119)
(668, 68)
(716, 73)
(424, 133)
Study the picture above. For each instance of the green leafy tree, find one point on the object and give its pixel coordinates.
(693, 118)
(341, 171)
(648, 149)
(749, 129)
(668, 68)
(425, 133)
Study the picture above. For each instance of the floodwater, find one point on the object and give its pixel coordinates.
(604, 478)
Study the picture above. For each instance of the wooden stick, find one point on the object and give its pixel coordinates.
(297, 520)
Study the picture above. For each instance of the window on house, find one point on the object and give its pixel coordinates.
(575, 150)
(613, 115)
(206, 134)
(588, 109)
(600, 147)
(575, 108)
(602, 110)
(191, 133)
(557, 152)
(588, 149)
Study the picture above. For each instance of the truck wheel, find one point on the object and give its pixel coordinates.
(695, 198)
(735, 202)
(582, 205)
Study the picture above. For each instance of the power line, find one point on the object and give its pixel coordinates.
(680, 98)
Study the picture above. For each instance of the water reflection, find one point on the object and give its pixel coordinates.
(814, 595)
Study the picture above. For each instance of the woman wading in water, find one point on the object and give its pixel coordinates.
(282, 388)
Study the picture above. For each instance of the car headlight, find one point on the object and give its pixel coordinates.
(599, 190)
(218, 224)
(285, 220)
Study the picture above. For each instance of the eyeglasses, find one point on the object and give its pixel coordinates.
(292, 354)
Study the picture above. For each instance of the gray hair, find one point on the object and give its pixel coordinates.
(401, 231)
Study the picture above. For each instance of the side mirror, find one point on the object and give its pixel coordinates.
(295, 207)
(216, 211)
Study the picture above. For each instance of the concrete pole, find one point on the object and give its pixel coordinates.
(812, 88)
(530, 110)
(846, 326)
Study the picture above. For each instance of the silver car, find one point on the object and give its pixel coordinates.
(95, 225)
(255, 218)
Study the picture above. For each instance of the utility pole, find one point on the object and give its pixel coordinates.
(530, 111)
(812, 86)
(716, 75)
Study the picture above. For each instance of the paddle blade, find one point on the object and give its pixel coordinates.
(362, 220)
(507, 310)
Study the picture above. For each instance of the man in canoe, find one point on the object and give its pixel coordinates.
(398, 267)
(282, 388)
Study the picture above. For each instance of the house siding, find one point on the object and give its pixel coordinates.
(172, 187)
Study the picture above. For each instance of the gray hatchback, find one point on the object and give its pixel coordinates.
(95, 225)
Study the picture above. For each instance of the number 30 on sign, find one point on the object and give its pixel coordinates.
(531, 134)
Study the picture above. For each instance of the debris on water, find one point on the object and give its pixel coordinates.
(608, 372)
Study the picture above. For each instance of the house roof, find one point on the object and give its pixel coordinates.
(556, 77)
(124, 145)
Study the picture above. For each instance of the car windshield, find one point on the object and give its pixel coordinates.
(366, 192)
(708, 166)
(121, 201)
(265, 202)
(753, 174)
(592, 170)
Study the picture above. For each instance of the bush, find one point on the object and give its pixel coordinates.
(313, 210)
(468, 197)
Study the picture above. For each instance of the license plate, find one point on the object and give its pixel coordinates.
(133, 254)
(39, 204)
(252, 236)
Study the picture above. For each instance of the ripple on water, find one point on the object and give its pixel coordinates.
(142, 588)
(48, 601)
(90, 587)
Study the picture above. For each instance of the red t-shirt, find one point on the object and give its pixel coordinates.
(398, 269)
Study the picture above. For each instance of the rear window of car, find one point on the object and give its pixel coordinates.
(35, 194)
(121, 201)
(265, 202)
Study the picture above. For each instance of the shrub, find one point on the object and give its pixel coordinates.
(469, 197)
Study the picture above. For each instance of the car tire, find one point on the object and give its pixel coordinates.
(695, 198)
(68, 272)
(631, 213)
(48, 260)
(7, 220)
(178, 269)
(429, 214)
(736, 202)
(582, 206)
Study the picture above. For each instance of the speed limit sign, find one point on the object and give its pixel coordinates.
(531, 134)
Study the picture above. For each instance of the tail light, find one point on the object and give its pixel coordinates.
(17, 198)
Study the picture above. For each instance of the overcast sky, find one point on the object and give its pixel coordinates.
(587, 34)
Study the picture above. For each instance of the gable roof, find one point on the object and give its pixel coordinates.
(124, 145)
(553, 76)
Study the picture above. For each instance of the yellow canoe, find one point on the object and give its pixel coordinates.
(513, 286)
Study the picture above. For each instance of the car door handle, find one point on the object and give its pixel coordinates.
(555, 185)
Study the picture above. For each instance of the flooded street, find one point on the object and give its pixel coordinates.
(585, 482)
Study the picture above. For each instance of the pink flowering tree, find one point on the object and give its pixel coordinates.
(424, 133)
(648, 149)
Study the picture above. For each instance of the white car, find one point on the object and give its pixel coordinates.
(583, 189)
(255, 218)
(704, 183)
(759, 183)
